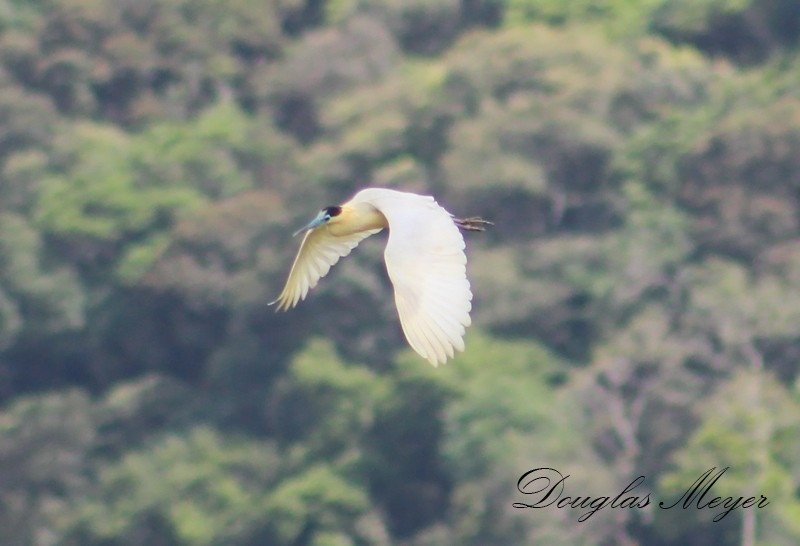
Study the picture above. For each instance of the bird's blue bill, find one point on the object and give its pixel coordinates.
(312, 224)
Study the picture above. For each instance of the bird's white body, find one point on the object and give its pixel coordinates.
(424, 258)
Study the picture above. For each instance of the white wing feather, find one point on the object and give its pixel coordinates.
(426, 263)
(318, 252)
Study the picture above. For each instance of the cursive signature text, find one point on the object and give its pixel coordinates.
(545, 487)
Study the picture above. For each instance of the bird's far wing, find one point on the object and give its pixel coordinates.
(427, 266)
(318, 252)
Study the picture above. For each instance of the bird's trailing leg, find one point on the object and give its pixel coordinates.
(473, 223)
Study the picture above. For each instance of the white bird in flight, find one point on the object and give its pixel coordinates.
(424, 258)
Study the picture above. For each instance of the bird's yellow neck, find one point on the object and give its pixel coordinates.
(356, 218)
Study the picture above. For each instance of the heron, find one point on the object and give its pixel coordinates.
(424, 258)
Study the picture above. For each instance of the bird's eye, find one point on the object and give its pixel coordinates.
(330, 212)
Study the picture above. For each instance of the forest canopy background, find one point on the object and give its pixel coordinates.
(636, 304)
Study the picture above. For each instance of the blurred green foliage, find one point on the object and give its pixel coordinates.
(636, 303)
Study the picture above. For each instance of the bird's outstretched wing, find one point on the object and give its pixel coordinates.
(426, 263)
(319, 251)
